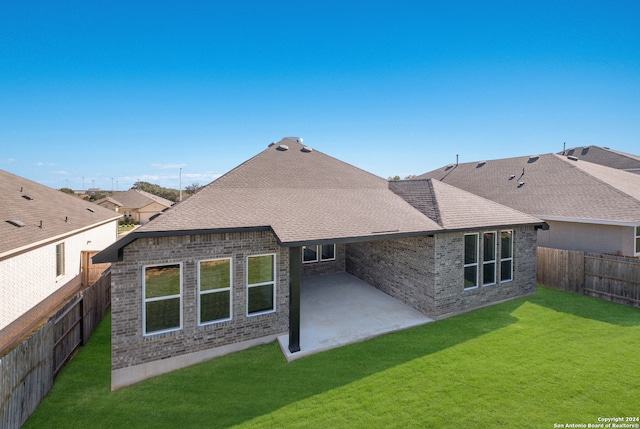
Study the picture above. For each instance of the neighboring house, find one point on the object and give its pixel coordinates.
(136, 204)
(588, 207)
(110, 203)
(43, 234)
(605, 156)
(221, 271)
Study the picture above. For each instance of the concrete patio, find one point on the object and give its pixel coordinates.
(340, 309)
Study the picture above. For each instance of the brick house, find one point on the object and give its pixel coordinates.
(135, 204)
(221, 271)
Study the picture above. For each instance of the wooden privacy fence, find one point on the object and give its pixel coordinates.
(27, 372)
(611, 277)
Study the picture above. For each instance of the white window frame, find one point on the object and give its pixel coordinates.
(507, 259)
(206, 292)
(476, 263)
(495, 258)
(636, 239)
(310, 261)
(327, 259)
(272, 283)
(165, 297)
(60, 259)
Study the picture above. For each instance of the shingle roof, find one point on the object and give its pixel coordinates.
(305, 196)
(30, 203)
(454, 208)
(550, 187)
(135, 199)
(606, 156)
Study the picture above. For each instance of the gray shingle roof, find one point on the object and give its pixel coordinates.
(550, 187)
(135, 199)
(454, 208)
(60, 214)
(305, 196)
(606, 156)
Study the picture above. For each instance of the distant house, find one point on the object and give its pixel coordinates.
(588, 207)
(605, 156)
(136, 204)
(43, 234)
(222, 270)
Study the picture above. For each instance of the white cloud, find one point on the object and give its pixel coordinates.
(41, 164)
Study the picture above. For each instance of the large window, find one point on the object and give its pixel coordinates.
(162, 291)
(214, 291)
(637, 240)
(489, 245)
(470, 261)
(59, 259)
(506, 256)
(261, 284)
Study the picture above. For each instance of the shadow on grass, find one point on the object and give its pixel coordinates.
(586, 307)
(243, 386)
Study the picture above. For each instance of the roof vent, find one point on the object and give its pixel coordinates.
(534, 158)
(481, 163)
(271, 144)
(91, 210)
(306, 149)
(17, 223)
(572, 158)
(513, 176)
(27, 197)
(520, 184)
(448, 167)
(283, 147)
(300, 140)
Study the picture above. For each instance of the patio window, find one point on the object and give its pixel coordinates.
(489, 246)
(59, 259)
(214, 291)
(506, 256)
(637, 252)
(162, 296)
(328, 252)
(261, 284)
(309, 254)
(470, 261)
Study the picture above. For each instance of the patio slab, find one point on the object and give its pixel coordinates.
(340, 309)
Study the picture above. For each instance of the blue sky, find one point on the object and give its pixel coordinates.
(122, 91)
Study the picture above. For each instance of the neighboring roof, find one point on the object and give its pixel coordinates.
(109, 200)
(304, 197)
(453, 208)
(30, 204)
(551, 187)
(605, 156)
(135, 199)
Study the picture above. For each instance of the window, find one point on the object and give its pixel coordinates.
(309, 254)
(328, 252)
(214, 291)
(506, 256)
(261, 282)
(162, 291)
(637, 240)
(489, 245)
(59, 259)
(470, 261)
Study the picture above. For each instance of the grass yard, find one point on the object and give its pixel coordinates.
(554, 358)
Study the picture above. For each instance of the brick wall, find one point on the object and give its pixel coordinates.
(427, 272)
(130, 347)
(402, 268)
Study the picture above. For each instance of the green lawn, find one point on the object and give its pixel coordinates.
(551, 358)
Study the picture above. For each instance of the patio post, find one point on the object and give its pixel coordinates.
(295, 269)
